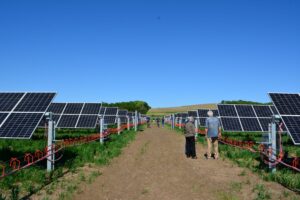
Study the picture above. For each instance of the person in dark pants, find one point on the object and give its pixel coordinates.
(189, 133)
(148, 122)
(163, 122)
(158, 122)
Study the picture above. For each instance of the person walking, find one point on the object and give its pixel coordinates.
(148, 122)
(163, 122)
(158, 122)
(189, 133)
(212, 133)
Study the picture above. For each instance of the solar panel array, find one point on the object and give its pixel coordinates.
(75, 115)
(122, 114)
(110, 115)
(202, 113)
(288, 107)
(21, 112)
(250, 118)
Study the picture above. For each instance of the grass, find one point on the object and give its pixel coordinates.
(33, 179)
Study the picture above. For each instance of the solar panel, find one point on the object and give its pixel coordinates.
(87, 121)
(109, 120)
(123, 120)
(250, 124)
(68, 121)
(227, 110)
(2, 117)
(111, 111)
(293, 125)
(102, 110)
(21, 113)
(91, 108)
(275, 112)
(130, 114)
(202, 121)
(35, 102)
(231, 124)
(192, 113)
(253, 118)
(288, 106)
(9, 100)
(245, 111)
(81, 115)
(263, 111)
(264, 122)
(122, 112)
(73, 108)
(57, 108)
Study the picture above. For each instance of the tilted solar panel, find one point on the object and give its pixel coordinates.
(9, 100)
(245, 111)
(26, 110)
(73, 108)
(227, 110)
(87, 121)
(288, 106)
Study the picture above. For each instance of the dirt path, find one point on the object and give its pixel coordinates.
(154, 167)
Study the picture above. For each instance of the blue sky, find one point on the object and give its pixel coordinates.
(168, 53)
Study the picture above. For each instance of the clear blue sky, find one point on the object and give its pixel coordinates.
(165, 52)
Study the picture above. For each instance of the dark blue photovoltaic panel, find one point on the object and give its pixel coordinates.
(35, 102)
(20, 125)
(102, 110)
(9, 100)
(87, 121)
(68, 121)
(273, 108)
(293, 125)
(109, 120)
(245, 111)
(91, 108)
(111, 111)
(231, 124)
(202, 121)
(2, 117)
(73, 108)
(56, 108)
(263, 111)
(227, 110)
(192, 113)
(250, 124)
(123, 120)
(122, 112)
(287, 104)
(264, 122)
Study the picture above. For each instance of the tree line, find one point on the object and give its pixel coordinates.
(141, 106)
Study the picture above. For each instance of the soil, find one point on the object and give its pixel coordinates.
(154, 166)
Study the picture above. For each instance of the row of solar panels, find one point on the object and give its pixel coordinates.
(22, 112)
(257, 118)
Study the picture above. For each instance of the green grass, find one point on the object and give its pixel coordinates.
(33, 179)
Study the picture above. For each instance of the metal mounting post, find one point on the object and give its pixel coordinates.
(119, 125)
(51, 139)
(128, 123)
(180, 122)
(101, 130)
(173, 121)
(196, 127)
(136, 121)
